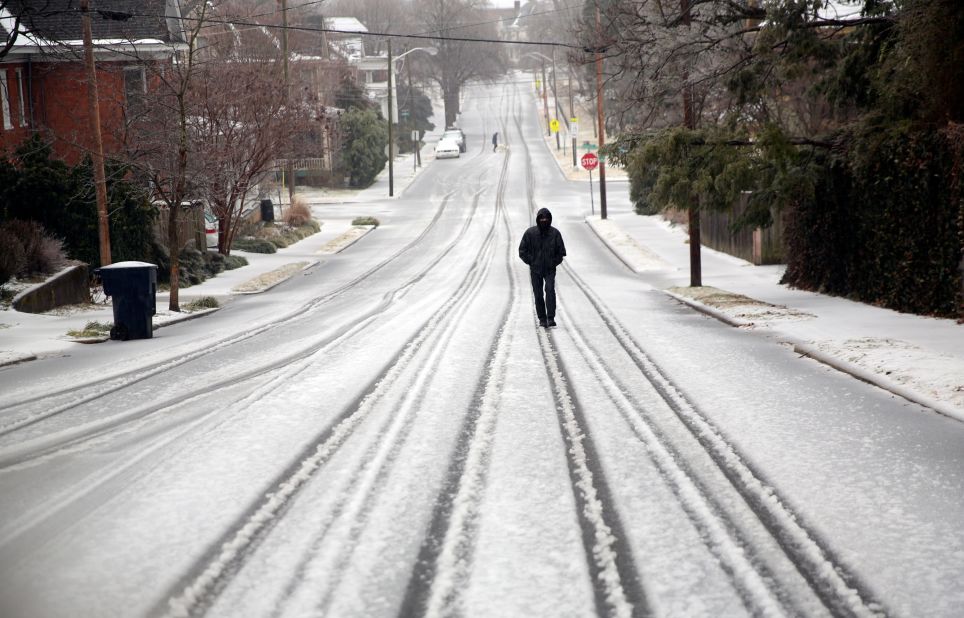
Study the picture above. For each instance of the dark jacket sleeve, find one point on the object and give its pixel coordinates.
(560, 250)
(524, 252)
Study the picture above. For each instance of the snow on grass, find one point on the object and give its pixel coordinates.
(344, 241)
(742, 309)
(636, 256)
(270, 279)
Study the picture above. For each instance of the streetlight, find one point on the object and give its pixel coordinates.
(391, 134)
(545, 101)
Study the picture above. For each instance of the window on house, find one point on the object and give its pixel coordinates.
(22, 95)
(135, 89)
(5, 100)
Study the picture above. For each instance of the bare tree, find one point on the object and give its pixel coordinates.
(458, 61)
(160, 138)
(243, 123)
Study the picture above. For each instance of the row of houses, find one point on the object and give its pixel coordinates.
(43, 83)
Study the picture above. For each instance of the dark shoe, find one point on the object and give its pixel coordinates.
(543, 324)
(552, 322)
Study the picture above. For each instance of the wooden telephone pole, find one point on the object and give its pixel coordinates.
(600, 117)
(689, 121)
(97, 156)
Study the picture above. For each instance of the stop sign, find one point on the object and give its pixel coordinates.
(590, 161)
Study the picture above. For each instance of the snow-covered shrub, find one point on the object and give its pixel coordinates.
(43, 254)
(12, 256)
(298, 213)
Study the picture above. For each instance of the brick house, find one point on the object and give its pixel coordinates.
(43, 82)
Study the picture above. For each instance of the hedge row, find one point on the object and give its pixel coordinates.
(887, 224)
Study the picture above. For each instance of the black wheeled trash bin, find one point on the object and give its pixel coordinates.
(133, 288)
(267, 210)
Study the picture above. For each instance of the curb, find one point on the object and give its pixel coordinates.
(273, 284)
(812, 352)
(610, 247)
(17, 361)
(590, 221)
(710, 311)
(187, 317)
(368, 230)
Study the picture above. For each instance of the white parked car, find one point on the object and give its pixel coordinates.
(457, 135)
(447, 149)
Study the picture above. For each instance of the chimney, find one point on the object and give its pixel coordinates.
(517, 4)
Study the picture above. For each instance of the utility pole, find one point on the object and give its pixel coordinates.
(416, 141)
(97, 156)
(572, 117)
(555, 91)
(599, 114)
(545, 98)
(391, 135)
(689, 121)
(289, 163)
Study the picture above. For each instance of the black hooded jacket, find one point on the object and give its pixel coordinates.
(542, 247)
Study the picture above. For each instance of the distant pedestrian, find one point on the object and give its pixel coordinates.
(542, 249)
(495, 142)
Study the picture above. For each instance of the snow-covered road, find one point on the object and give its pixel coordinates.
(390, 434)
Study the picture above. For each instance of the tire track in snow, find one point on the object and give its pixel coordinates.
(753, 581)
(401, 423)
(445, 556)
(616, 581)
(27, 451)
(101, 387)
(200, 588)
(841, 592)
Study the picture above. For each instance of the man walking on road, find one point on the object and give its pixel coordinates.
(542, 249)
(495, 141)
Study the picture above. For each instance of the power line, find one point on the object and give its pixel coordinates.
(497, 21)
(237, 22)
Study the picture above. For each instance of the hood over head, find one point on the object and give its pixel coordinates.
(544, 214)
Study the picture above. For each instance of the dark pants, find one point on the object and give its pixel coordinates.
(545, 306)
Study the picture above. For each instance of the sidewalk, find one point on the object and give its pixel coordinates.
(26, 336)
(915, 357)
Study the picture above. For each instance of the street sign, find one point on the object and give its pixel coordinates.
(588, 146)
(554, 125)
(589, 161)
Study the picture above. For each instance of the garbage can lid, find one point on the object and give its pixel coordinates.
(129, 264)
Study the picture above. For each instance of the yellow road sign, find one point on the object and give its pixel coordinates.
(554, 125)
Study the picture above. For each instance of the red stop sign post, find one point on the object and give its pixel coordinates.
(590, 162)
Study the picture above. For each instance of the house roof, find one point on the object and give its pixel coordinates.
(59, 20)
(345, 24)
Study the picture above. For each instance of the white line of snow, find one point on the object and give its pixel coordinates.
(451, 568)
(603, 540)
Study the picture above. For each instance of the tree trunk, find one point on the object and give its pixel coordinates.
(173, 243)
(451, 98)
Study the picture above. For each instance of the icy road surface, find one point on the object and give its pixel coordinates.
(390, 434)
